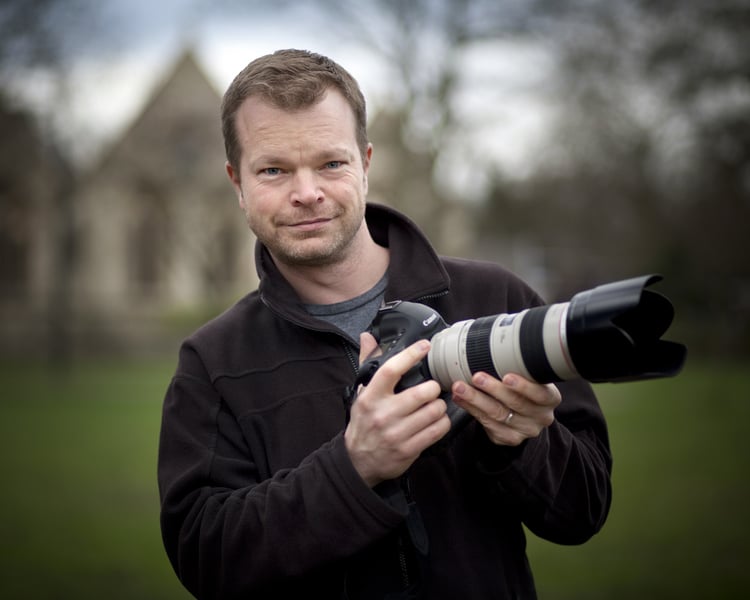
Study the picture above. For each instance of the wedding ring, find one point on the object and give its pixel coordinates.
(508, 418)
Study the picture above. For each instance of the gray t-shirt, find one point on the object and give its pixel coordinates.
(352, 316)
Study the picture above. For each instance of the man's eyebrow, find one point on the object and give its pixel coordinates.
(324, 155)
(334, 153)
(267, 159)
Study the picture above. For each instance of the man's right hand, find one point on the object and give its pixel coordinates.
(388, 431)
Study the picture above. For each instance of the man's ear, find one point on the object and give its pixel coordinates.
(366, 165)
(234, 177)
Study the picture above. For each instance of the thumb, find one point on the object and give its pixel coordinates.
(367, 344)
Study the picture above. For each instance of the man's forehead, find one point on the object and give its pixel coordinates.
(259, 116)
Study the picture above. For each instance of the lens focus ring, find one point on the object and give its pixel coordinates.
(532, 345)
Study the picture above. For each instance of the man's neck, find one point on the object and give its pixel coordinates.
(355, 274)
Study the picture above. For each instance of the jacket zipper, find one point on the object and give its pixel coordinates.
(350, 392)
(406, 579)
(422, 299)
(353, 360)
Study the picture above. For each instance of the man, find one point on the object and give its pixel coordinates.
(273, 484)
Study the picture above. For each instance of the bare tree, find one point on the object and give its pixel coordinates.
(38, 37)
(649, 166)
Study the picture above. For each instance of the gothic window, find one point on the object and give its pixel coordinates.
(149, 240)
(14, 243)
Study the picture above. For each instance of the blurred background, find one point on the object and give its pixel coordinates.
(575, 141)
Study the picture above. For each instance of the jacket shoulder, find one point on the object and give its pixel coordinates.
(486, 283)
(227, 335)
(229, 322)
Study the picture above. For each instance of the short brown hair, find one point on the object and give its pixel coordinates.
(290, 79)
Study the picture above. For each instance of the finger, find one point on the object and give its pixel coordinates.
(518, 393)
(503, 425)
(508, 416)
(543, 395)
(430, 434)
(491, 414)
(367, 345)
(391, 372)
(479, 404)
(426, 416)
(488, 395)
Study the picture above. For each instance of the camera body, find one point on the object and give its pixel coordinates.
(397, 326)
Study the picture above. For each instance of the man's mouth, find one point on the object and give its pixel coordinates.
(310, 224)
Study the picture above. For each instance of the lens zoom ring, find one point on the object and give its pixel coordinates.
(531, 338)
(478, 352)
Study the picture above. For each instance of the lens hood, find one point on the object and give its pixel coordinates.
(613, 332)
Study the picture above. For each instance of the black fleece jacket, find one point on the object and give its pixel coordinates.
(259, 498)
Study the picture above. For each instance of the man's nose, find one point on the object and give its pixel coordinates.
(306, 188)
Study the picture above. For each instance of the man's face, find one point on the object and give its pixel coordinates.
(302, 182)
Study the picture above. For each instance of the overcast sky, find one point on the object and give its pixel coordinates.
(110, 81)
(110, 84)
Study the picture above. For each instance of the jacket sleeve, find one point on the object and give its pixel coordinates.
(559, 483)
(228, 533)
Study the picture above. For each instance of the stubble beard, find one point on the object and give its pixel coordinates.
(303, 249)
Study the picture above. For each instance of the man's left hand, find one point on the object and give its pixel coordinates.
(510, 410)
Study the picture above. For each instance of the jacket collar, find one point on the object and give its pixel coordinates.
(414, 272)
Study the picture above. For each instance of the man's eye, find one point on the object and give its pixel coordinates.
(271, 171)
(334, 164)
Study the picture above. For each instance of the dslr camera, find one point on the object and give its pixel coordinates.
(610, 333)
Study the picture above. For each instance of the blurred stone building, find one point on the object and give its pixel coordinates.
(159, 229)
(35, 211)
(155, 238)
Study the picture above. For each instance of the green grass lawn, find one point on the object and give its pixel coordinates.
(80, 506)
(679, 522)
